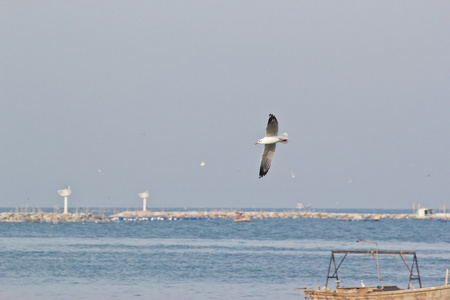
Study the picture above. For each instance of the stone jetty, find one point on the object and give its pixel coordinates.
(56, 217)
(229, 214)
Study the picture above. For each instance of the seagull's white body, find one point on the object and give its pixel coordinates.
(272, 140)
(269, 142)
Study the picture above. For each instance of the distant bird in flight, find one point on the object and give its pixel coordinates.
(269, 142)
(202, 163)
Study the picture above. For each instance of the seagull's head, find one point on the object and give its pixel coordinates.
(258, 142)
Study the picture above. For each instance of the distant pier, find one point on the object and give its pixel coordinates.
(56, 217)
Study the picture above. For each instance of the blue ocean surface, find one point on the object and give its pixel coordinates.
(210, 259)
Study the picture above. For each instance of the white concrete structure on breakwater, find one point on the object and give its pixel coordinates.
(56, 217)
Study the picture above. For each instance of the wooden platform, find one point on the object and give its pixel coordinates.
(373, 293)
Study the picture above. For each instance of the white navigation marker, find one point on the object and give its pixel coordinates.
(65, 193)
(144, 197)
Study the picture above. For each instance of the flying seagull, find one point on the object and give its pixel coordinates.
(270, 141)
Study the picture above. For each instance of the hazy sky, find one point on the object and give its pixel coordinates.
(145, 90)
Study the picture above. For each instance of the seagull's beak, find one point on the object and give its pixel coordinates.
(256, 143)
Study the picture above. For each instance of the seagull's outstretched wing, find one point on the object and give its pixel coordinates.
(272, 126)
(266, 159)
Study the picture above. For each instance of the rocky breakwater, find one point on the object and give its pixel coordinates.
(46, 217)
(229, 214)
(174, 215)
(56, 217)
(327, 215)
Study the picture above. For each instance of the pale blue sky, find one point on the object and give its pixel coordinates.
(145, 90)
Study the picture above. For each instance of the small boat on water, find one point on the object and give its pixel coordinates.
(241, 217)
(301, 206)
(374, 218)
(377, 292)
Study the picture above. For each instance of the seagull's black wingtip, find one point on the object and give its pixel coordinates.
(262, 173)
(271, 118)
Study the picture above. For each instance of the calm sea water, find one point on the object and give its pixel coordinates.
(209, 259)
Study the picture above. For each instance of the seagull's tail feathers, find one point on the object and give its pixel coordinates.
(284, 137)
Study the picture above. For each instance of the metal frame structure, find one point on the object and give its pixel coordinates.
(414, 263)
